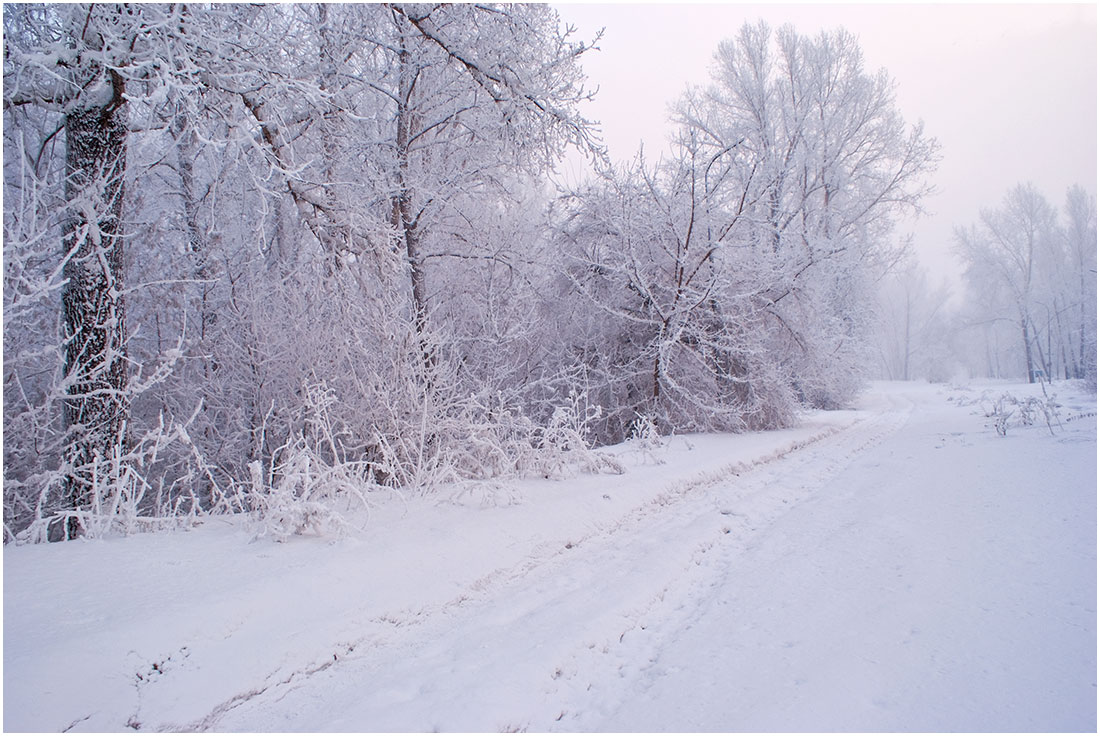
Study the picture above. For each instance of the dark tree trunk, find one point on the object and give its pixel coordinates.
(96, 405)
(404, 220)
(1027, 349)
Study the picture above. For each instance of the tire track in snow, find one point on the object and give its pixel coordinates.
(580, 615)
(929, 588)
(748, 506)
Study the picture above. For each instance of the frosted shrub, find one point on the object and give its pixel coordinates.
(562, 450)
(127, 493)
(482, 446)
(645, 438)
(495, 444)
(1008, 410)
(644, 430)
(312, 485)
(307, 494)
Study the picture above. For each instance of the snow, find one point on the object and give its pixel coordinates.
(895, 567)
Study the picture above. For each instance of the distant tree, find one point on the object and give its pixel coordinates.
(915, 330)
(1006, 251)
(1080, 257)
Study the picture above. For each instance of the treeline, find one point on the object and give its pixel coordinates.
(1028, 307)
(276, 258)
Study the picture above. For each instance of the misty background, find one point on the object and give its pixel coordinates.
(1009, 90)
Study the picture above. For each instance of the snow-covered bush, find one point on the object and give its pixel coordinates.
(496, 443)
(645, 439)
(305, 493)
(313, 484)
(562, 448)
(1008, 410)
(128, 492)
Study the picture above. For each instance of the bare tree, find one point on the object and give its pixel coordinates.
(916, 329)
(1008, 247)
(1080, 240)
(744, 262)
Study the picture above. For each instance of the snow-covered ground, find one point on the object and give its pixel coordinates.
(897, 567)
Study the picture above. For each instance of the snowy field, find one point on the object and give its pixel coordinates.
(897, 567)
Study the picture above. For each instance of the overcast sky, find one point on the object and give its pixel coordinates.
(1008, 90)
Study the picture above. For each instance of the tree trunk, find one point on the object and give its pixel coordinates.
(403, 218)
(1027, 350)
(908, 349)
(96, 405)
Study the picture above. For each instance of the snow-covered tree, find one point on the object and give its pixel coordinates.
(836, 167)
(1079, 258)
(285, 179)
(1006, 255)
(66, 76)
(741, 266)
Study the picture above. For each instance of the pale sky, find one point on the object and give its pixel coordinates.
(1008, 90)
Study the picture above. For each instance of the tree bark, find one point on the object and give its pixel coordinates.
(96, 405)
(406, 223)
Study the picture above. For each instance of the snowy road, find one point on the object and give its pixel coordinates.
(562, 638)
(937, 583)
(897, 568)
(894, 576)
